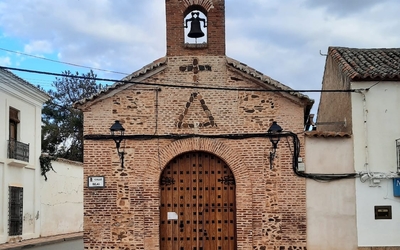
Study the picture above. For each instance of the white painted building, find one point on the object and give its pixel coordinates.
(376, 116)
(29, 206)
(368, 110)
(20, 149)
(62, 199)
(331, 207)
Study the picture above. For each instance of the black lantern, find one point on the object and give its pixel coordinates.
(117, 133)
(274, 136)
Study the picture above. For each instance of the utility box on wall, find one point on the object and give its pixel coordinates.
(396, 187)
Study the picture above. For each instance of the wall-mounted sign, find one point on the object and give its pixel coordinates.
(172, 216)
(396, 187)
(96, 182)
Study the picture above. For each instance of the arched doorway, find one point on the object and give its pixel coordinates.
(198, 204)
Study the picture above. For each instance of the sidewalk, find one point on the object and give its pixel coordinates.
(41, 241)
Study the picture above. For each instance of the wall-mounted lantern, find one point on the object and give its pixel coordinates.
(117, 133)
(274, 133)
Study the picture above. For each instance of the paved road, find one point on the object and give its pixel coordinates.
(65, 245)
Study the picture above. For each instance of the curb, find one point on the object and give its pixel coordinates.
(29, 244)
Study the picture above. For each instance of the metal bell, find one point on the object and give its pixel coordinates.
(195, 29)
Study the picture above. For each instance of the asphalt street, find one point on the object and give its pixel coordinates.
(64, 245)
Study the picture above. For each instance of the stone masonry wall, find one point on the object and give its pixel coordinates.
(334, 108)
(271, 208)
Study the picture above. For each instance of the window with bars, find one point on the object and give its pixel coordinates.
(15, 212)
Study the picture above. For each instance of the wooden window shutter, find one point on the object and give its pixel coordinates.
(14, 113)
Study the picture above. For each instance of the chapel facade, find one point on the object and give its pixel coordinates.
(195, 167)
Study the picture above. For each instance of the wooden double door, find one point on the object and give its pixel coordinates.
(198, 208)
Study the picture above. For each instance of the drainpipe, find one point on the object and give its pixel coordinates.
(368, 175)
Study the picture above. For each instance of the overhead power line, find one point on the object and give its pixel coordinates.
(67, 63)
(179, 86)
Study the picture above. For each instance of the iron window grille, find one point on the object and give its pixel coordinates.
(18, 150)
(15, 212)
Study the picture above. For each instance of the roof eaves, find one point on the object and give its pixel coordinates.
(366, 64)
(266, 79)
(344, 66)
(128, 79)
(25, 83)
(327, 134)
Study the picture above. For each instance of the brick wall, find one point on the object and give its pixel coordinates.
(334, 107)
(271, 209)
(176, 10)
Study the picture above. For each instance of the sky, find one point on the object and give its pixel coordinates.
(286, 40)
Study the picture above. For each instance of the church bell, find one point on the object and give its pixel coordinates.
(195, 29)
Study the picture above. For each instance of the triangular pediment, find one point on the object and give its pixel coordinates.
(157, 66)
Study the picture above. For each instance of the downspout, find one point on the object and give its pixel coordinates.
(365, 116)
(364, 176)
(374, 177)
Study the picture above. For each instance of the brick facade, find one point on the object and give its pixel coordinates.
(334, 113)
(270, 202)
(176, 11)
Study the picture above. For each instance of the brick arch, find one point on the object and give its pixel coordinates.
(206, 4)
(194, 8)
(240, 170)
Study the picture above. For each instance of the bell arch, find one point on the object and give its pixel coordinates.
(237, 165)
(195, 25)
(195, 7)
(213, 14)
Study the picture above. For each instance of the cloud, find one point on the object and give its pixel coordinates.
(282, 39)
(41, 46)
(345, 7)
(5, 61)
(93, 32)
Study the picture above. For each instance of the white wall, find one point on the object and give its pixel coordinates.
(373, 232)
(62, 199)
(376, 126)
(2, 209)
(331, 209)
(26, 176)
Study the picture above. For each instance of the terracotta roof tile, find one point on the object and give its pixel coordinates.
(368, 64)
(327, 134)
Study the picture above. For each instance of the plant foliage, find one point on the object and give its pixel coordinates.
(62, 125)
(45, 164)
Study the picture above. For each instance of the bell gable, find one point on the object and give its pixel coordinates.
(195, 27)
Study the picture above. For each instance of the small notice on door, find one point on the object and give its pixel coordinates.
(172, 216)
(96, 181)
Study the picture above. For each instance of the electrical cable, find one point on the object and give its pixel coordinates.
(295, 153)
(67, 63)
(313, 176)
(183, 86)
(296, 143)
